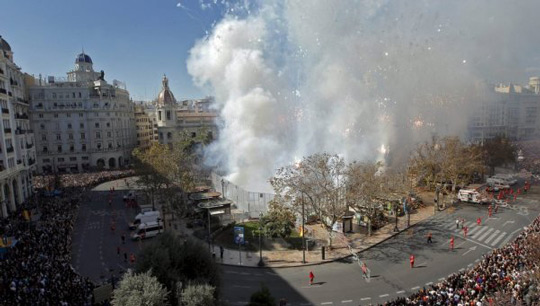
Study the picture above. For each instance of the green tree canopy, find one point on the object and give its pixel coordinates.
(262, 298)
(197, 295)
(140, 289)
(279, 220)
(174, 260)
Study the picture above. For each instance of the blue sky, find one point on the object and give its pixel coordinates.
(134, 41)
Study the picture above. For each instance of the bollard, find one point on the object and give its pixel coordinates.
(323, 257)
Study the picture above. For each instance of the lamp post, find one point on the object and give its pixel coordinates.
(303, 233)
(396, 215)
(261, 262)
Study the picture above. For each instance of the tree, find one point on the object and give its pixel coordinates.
(173, 260)
(152, 170)
(319, 181)
(497, 152)
(262, 298)
(279, 220)
(197, 295)
(139, 289)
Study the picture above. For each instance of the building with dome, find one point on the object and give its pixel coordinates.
(17, 151)
(81, 121)
(174, 119)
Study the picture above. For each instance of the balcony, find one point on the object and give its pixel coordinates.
(22, 101)
(10, 150)
(29, 145)
(21, 116)
(5, 110)
(3, 90)
(19, 131)
(1, 71)
(7, 130)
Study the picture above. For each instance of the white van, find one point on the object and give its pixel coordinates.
(507, 179)
(471, 196)
(145, 217)
(145, 208)
(147, 230)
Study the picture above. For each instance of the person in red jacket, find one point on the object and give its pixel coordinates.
(411, 260)
(452, 243)
(311, 278)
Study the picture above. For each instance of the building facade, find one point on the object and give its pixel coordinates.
(176, 119)
(144, 127)
(17, 150)
(81, 122)
(509, 110)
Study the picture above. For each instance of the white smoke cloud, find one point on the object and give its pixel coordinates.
(297, 77)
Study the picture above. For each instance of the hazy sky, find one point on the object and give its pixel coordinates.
(134, 41)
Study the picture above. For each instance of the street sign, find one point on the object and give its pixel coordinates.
(239, 235)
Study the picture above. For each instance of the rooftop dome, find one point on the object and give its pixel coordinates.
(83, 58)
(165, 95)
(4, 44)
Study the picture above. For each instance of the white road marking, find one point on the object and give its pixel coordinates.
(469, 265)
(346, 301)
(498, 239)
(492, 236)
(462, 269)
(415, 288)
(400, 291)
(365, 299)
(486, 234)
(327, 303)
(384, 295)
(441, 279)
(473, 230)
(429, 284)
(480, 232)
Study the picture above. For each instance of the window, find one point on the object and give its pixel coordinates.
(99, 146)
(98, 135)
(61, 159)
(68, 115)
(73, 158)
(58, 137)
(42, 126)
(70, 136)
(40, 115)
(73, 95)
(159, 115)
(59, 149)
(83, 136)
(71, 148)
(110, 145)
(55, 115)
(83, 147)
(69, 125)
(109, 134)
(84, 158)
(80, 96)
(168, 115)
(43, 137)
(46, 160)
(108, 124)
(45, 150)
(81, 115)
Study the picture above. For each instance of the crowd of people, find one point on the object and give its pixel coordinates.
(506, 276)
(37, 269)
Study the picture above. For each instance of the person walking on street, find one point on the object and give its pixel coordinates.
(125, 257)
(411, 260)
(123, 238)
(429, 236)
(364, 270)
(465, 230)
(478, 221)
(118, 250)
(457, 223)
(452, 243)
(490, 211)
(221, 252)
(132, 258)
(311, 277)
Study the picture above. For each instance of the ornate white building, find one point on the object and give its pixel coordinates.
(188, 116)
(17, 151)
(81, 122)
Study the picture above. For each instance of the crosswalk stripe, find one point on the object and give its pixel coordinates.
(473, 230)
(492, 236)
(450, 224)
(498, 239)
(479, 232)
(485, 234)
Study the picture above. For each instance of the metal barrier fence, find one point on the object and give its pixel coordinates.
(250, 202)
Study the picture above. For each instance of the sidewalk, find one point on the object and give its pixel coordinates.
(281, 259)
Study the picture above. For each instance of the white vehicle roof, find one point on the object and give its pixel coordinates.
(147, 214)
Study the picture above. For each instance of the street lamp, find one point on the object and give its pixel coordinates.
(261, 262)
(396, 215)
(303, 233)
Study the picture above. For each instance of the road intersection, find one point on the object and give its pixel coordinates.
(341, 282)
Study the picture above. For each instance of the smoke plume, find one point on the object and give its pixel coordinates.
(357, 78)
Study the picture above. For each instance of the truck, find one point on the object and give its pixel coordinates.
(145, 217)
(471, 196)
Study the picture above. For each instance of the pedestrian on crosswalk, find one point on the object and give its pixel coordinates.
(478, 221)
(457, 223)
(465, 230)
(452, 243)
(429, 236)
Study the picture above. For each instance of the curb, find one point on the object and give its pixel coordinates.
(326, 261)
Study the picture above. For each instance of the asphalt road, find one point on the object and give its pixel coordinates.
(341, 283)
(95, 245)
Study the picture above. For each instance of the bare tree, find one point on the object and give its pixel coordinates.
(320, 181)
